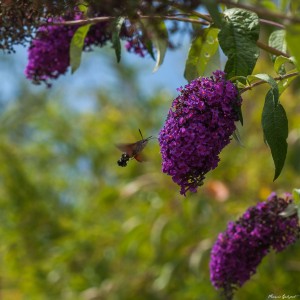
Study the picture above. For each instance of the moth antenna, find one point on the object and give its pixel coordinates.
(141, 134)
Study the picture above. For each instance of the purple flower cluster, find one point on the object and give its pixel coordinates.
(137, 47)
(48, 54)
(239, 250)
(199, 125)
(134, 36)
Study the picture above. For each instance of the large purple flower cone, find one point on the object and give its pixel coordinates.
(199, 125)
(239, 250)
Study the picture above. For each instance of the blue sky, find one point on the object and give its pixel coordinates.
(95, 72)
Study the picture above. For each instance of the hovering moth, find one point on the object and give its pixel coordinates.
(132, 150)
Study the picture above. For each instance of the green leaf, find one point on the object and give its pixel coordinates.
(147, 41)
(290, 210)
(279, 62)
(240, 81)
(237, 38)
(83, 7)
(192, 61)
(160, 41)
(267, 78)
(292, 39)
(269, 5)
(284, 83)
(274, 123)
(240, 115)
(296, 196)
(149, 47)
(212, 8)
(213, 64)
(275, 128)
(277, 41)
(116, 37)
(237, 137)
(76, 46)
(159, 36)
(202, 50)
(240, 85)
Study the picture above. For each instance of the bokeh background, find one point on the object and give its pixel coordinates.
(74, 225)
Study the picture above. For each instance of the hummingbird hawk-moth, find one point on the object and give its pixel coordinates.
(132, 150)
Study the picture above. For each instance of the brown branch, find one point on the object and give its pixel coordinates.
(207, 19)
(279, 78)
(79, 22)
(105, 19)
(175, 18)
(261, 11)
(271, 49)
(195, 13)
(272, 23)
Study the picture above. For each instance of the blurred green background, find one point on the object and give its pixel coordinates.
(74, 225)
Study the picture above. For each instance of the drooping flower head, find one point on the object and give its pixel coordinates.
(239, 250)
(48, 54)
(199, 125)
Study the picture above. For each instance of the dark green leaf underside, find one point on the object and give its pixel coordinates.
(116, 37)
(275, 128)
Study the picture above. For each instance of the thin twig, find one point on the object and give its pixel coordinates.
(271, 49)
(80, 22)
(188, 20)
(272, 23)
(279, 78)
(261, 11)
(174, 18)
(105, 19)
(195, 13)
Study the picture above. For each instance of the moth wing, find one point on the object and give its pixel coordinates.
(140, 157)
(127, 148)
